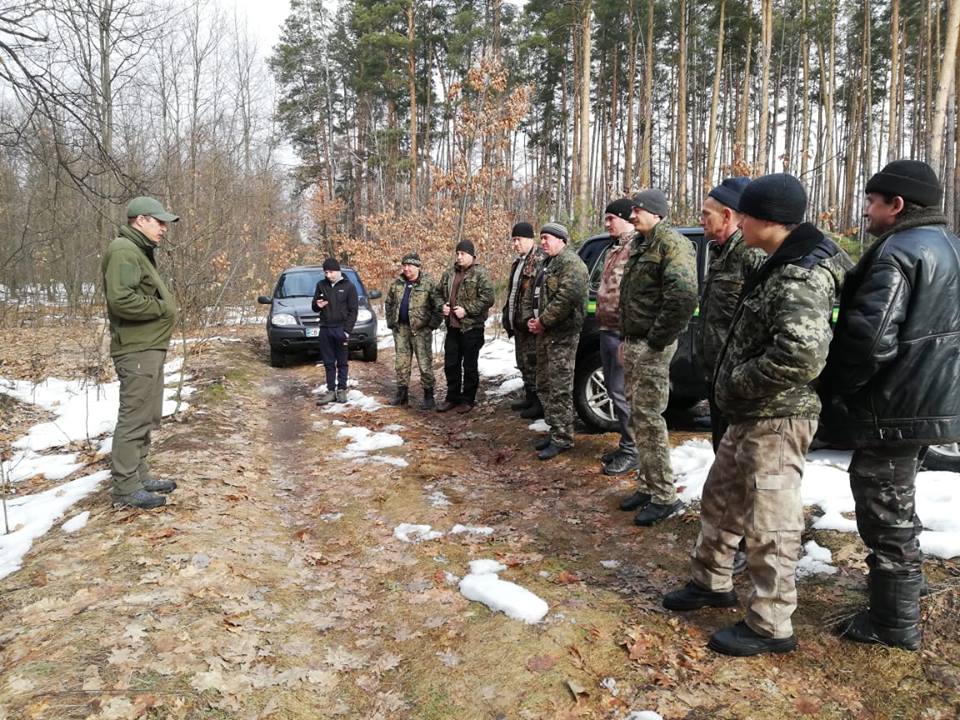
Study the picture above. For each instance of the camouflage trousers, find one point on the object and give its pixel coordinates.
(647, 387)
(883, 481)
(753, 491)
(556, 358)
(407, 345)
(525, 347)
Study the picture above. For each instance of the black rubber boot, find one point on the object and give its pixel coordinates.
(534, 410)
(524, 402)
(428, 401)
(402, 397)
(894, 615)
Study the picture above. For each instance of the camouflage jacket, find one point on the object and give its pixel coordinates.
(730, 264)
(424, 312)
(518, 308)
(561, 293)
(475, 295)
(658, 292)
(780, 333)
(608, 294)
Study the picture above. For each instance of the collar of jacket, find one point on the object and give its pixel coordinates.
(729, 244)
(140, 240)
(804, 246)
(925, 216)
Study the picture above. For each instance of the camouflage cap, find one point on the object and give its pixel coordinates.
(411, 258)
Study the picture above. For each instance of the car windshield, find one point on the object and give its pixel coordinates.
(298, 284)
(303, 283)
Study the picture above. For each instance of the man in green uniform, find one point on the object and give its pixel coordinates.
(413, 314)
(658, 294)
(141, 312)
(560, 299)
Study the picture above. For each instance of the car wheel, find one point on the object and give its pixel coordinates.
(943, 457)
(277, 358)
(590, 397)
(370, 351)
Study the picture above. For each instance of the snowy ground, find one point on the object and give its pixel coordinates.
(84, 412)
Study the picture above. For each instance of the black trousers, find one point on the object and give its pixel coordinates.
(461, 351)
(883, 481)
(334, 353)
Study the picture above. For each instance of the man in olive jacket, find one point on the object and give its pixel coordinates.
(413, 314)
(141, 312)
(658, 294)
(731, 262)
(465, 295)
(517, 311)
(560, 299)
(890, 385)
(776, 348)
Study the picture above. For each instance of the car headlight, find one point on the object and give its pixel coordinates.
(364, 315)
(284, 319)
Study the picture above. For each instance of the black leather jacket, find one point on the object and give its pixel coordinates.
(893, 372)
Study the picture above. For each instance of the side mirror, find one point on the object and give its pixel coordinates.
(264, 300)
(374, 294)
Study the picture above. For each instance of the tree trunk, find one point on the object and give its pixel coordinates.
(803, 146)
(893, 151)
(740, 145)
(766, 41)
(680, 199)
(412, 89)
(584, 196)
(944, 87)
(645, 155)
(631, 90)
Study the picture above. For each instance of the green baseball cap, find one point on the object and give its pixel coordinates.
(149, 206)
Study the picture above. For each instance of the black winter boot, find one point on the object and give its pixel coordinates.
(402, 396)
(534, 410)
(894, 615)
(428, 401)
(524, 402)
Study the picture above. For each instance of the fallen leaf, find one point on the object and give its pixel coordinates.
(577, 689)
(568, 578)
(449, 658)
(540, 663)
(808, 706)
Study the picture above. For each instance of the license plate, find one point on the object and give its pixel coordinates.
(312, 332)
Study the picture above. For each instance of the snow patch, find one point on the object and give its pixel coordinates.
(438, 499)
(410, 533)
(483, 585)
(816, 561)
(76, 522)
(507, 387)
(364, 441)
(539, 426)
(459, 529)
(31, 516)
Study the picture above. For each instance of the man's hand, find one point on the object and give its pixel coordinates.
(322, 303)
(446, 309)
(535, 326)
(459, 312)
(620, 355)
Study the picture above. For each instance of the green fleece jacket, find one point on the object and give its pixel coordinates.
(140, 309)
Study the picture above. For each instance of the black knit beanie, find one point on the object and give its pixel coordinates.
(729, 191)
(331, 264)
(622, 208)
(522, 229)
(910, 179)
(779, 198)
(467, 247)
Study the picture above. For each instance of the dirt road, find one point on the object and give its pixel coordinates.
(272, 585)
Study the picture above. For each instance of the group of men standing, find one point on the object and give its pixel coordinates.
(883, 378)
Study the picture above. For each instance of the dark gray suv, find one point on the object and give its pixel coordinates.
(293, 326)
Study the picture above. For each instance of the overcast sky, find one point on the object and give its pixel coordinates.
(264, 18)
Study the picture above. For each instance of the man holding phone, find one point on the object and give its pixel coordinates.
(335, 299)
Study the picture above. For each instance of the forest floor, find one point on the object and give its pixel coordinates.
(272, 584)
